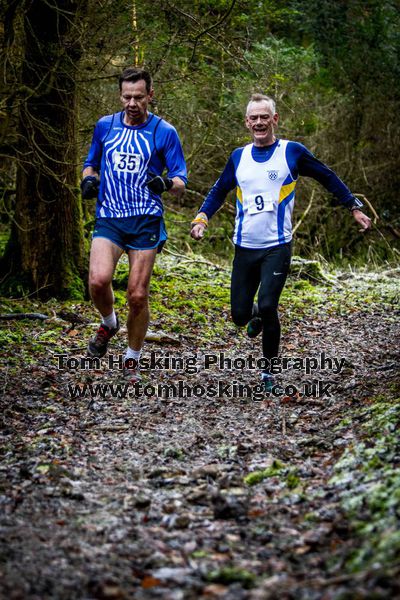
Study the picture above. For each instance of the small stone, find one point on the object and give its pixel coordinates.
(142, 501)
(190, 547)
(211, 470)
(178, 521)
(178, 574)
(229, 506)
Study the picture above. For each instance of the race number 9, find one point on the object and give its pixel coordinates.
(259, 202)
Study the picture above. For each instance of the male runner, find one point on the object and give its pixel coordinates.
(129, 152)
(265, 174)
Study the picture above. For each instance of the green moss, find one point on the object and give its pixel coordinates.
(311, 270)
(184, 293)
(121, 275)
(4, 237)
(289, 475)
(9, 337)
(120, 298)
(228, 575)
(254, 477)
(200, 554)
(302, 284)
(369, 485)
(292, 479)
(74, 287)
(258, 476)
(311, 517)
(200, 318)
(359, 292)
(177, 453)
(15, 286)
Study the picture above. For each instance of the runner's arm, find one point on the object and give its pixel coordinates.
(221, 188)
(89, 172)
(214, 200)
(302, 162)
(309, 166)
(175, 161)
(178, 186)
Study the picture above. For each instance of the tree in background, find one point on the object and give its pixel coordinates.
(333, 69)
(358, 45)
(207, 57)
(46, 242)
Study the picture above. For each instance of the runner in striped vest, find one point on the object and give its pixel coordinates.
(124, 170)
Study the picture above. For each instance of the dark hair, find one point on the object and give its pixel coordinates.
(133, 74)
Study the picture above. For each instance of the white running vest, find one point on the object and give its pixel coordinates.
(265, 198)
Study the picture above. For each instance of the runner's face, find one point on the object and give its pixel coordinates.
(135, 99)
(261, 121)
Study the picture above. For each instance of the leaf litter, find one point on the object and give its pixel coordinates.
(147, 496)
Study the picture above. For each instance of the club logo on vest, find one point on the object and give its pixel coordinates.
(273, 175)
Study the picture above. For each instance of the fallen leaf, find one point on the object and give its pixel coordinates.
(149, 581)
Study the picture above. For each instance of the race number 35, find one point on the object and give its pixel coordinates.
(127, 163)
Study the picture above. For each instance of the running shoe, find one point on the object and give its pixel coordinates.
(98, 344)
(131, 372)
(254, 326)
(268, 382)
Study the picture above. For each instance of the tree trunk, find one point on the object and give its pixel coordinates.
(46, 244)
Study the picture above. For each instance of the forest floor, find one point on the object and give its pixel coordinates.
(114, 493)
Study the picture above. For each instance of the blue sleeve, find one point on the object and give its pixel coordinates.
(96, 149)
(302, 162)
(171, 149)
(224, 184)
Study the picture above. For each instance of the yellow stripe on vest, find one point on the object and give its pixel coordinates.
(286, 190)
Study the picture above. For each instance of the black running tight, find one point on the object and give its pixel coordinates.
(266, 269)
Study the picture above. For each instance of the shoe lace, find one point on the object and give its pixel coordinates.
(131, 365)
(103, 334)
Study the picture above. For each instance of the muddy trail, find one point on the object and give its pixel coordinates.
(217, 491)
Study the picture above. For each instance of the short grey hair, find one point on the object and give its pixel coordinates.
(261, 98)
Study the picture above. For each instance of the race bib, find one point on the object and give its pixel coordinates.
(260, 203)
(126, 163)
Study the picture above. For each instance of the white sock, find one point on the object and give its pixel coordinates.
(111, 320)
(135, 354)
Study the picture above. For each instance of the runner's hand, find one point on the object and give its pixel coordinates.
(198, 230)
(89, 187)
(159, 184)
(362, 220)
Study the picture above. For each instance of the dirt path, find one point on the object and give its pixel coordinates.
(146, 497)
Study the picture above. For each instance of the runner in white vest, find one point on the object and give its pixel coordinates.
(265, 174)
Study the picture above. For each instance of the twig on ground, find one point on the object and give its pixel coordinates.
(307, 210)
(369, 204)
(20, 316)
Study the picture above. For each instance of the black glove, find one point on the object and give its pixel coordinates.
(159, 184)
(89, 187)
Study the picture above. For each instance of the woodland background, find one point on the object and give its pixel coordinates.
(333, 69)
(108, 494)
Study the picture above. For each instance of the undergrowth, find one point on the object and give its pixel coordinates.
(190, 296)
(367, 478)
